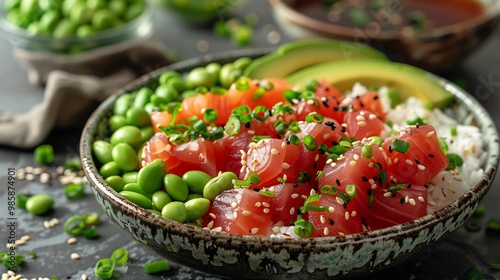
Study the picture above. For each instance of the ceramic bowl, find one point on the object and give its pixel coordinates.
(436, 50)
(253, 257)
(138, 28)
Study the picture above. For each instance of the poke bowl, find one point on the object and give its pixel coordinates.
(313, 245)
(72, 27)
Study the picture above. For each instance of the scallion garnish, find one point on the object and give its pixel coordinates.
(267, 193)
(293, 139)
(257, 95)
(400, 146)
(242, 84)
(416, 121)
(345, 197)
(260, 113)
(303, 228)
(210, 115)
(257, 138)
(453, 131)
(319, 174)
(309, 142)
(351, 190)
(454, 161)
(304, 177)
(232, 126)
(314, 118)
(292, 96)
(311, 84)
(366, 151)
(443, 145)
(281, 126)
(308, 95)
(376, 140)
(329, 189)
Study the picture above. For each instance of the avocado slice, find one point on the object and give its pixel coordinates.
(407, 80)
(297, 55)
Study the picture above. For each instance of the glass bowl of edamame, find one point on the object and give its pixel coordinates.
(73, 26)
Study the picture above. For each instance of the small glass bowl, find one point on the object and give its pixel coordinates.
(140, 27)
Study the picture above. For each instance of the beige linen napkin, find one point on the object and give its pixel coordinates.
(75, 85)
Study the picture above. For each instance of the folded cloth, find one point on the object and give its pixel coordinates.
(75, 85)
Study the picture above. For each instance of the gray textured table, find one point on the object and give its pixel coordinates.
(450, 259)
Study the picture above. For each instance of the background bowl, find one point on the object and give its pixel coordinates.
(270, 258)
(436, 50)
(137, 28)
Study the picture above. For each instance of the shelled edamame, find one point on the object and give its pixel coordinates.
(185, 197)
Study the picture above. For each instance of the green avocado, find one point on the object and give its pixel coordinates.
(297, 55)
(407, 80)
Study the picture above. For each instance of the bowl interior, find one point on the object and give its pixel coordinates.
(272, 258)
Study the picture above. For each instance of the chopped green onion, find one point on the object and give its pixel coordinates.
(382, 176)
(308, 95)
(241, 110)
(281, 126)
(473, 226)
(376, 140)
(253, 178)
(257, 138)
(494, 266)
(479, 212)
(104, 268)
(493, 225)
(120, 256)
(293, 139)
(389, 123)
(345, 143)
(443, 145)
(319, 174)
(21, 200)
(217, 133)
(329, 189)
(303, 228)
(33, 255)
(260, 113)
(395, 97)
(314, 117)
(311, 84)
(372, 197)
(201, 90)
(304, 177)
(266, 85)
(453, 131)
(75, 225)
(366, 151)
(257, 95)
(337, 149)
(454, 161)
(309, 143)
(282, 109)
(74, 191)
(292, 96)
(345, 197)
(232, 126)
(200, 126)
(351, 190)
(242, 84)
(475, 273)
(281, 180)
(267, 193)
(156, 267)
(400, 146)
(44, 154)
(396, 188)
(416, 121)
(210, 115)
(90, 233)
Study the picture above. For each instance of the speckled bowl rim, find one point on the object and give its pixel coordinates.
(491, 13)
(471, 197)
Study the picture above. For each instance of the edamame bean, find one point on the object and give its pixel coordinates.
(49, 21)
(168, 92)
(175, 210)
(122, 104)
(134, 11)
(80, 14)
(134, 187)
(150, 178)
(49, 5)
(193, 196)
(117, 121)
(196, 208)
(178, 83)
(176, 188)
(119, 7)
(103, 19)
(109, 169)
(196, 180)
(44, 154)
(199, 77)
(64, 28)
(116, 182)
(165, 76)
(147, 132)
(219, 184)
(11, 4)
(138, 199)
(127, 134)
(213, 69)
(130, 177)
(228, 75)
(242, 63)
(125, 157)
(137, 116)
(39, 204)
(102, 151)
(160, 199)
(158, 101)
(143, 96)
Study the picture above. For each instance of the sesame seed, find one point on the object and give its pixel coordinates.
(387, 194)
(346, 216)
(372, 116)
(420, 198)
(396, 160)
(246, 213)
(276, 229)
(72, 240)
(266, 204)
(251, 132)
(285, 177)
(283, 145)
(292, 211)
(294, 195)
(374, 186)
(310, 102)
(322, 219)
(254, 230)
(353, 163)
(30, 177)
(266, 210)
(235, 215)
(458, 179)
(356, 157)
(333, 164)
(285, 165)
(312, 192)
(370, 164)
(421, 167)
(212, 215)
(329, 161)
(316, 158)
(331, 209)
(412, 201)
(303, 196)
(326, 231)
(360, 118)
(258, 204)
(409, 162)
(354, 213)
(429, 134)
(26, 238)
(243, 162)
(362, 123)
(20, 242)
(44, 178)
(339, 200)
(210, 224)
(243, 169)
(274, 151)
(407, 199)
(75, 256)
(84, 277)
